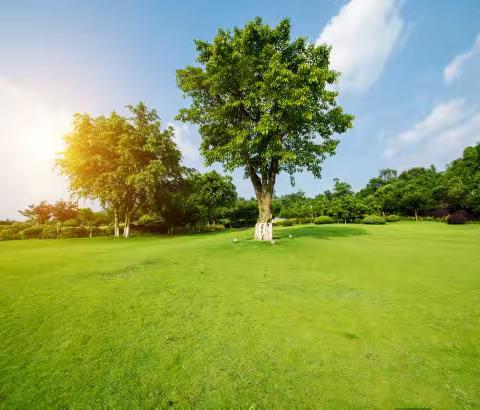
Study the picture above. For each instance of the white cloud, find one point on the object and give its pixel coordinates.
(363, 36)
(437, 139)
(454, 68)
(30, 136)
(186, 141)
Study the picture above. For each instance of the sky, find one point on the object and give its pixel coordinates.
(410, 78)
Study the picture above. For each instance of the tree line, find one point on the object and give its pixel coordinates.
(209, 201)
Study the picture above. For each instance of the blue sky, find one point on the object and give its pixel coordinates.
(410, 78)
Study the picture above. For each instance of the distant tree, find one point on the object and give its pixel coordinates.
(263, 103)
(40, 213)
(243, 213)
(211, 195)
(416, 187)
(89, 219)
(385, 177)
(63, 211)
(462, 181)
(414, 199)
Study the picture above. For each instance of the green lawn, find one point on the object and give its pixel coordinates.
(338, 316)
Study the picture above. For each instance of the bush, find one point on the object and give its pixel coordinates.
(74, 233)
(146, 219)
(209, 228)
(392, 218)
(198, 229)
(32, 232)
(48, 232)
(324, 219)
(284, 222)
(457, 218)
(71, 223)
(373, 220)
(8, 234)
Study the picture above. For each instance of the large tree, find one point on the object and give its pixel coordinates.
(122, 162)
(265, 103)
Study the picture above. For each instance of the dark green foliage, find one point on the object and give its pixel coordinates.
(392, 218)
(324, 219)
(244, 213)
(457, 218)
(32, 232)
(74, 233)
(373, 220)
(48, 232)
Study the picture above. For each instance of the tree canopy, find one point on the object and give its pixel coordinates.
(122, 162)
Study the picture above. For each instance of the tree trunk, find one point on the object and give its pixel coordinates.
(116, 226)
(264, 228)
(91, 232)
(126, 228)
(416, 215)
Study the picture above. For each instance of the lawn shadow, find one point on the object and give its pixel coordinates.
(321, 232)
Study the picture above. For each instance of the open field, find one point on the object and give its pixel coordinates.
(339, 316)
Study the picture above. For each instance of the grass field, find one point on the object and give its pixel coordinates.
(338, 316)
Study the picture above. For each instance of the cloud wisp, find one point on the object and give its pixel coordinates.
(363, 36)
(187, 143)
(438, 138)
(454, 69)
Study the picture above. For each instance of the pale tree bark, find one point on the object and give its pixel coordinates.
(126, 227)
(264, 193)
(116, 226)
(264, 228)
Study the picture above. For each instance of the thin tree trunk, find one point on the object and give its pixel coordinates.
(91, 232)
(126, 228)
(416, 215)
(116, 226)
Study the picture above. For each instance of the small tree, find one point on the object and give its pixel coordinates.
(63, 211)
(211, 194)
(89, 219)
(263, 103)
(40, 213)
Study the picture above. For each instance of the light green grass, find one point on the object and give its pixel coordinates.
(336, 317)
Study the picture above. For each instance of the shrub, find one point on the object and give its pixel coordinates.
(198, 229)
(392, 218)
(48, 232)
(284, 222)
(324, 219)
(146, 219)
(8, 234)
(17, 227)
(32, 232)
(71, 223)
(373, 220)
(74, 233)
(209, 228)
(457, 219)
